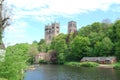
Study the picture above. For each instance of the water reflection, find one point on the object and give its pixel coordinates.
(59, 72)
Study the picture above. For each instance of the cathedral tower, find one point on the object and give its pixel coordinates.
(72, 27)
(51, 31)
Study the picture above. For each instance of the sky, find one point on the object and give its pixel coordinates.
(29, 17)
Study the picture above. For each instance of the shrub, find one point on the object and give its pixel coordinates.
(89, 64)
(82, 64)
(3, 79)
(42, 62)
(117, 66)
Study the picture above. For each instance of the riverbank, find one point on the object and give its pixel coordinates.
(117, 66)
(93, 64)
(105, 66)
(82, 64)
(3, 79)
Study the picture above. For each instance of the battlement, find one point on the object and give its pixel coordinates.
(51, 31)
(54, 29)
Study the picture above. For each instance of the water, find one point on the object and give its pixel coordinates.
(60, 72)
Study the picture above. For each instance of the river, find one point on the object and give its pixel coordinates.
(60, 72)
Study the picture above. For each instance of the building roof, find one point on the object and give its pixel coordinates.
(97, 58)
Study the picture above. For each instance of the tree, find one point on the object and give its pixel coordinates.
(59, 43)
(42, 46)
(4, 17)
(32, 52)
(116, 38)
(103, 48)
(15, 62)
(80, 47)
(107, 46)
(61, 58)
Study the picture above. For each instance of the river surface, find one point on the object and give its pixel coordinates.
(60, 72)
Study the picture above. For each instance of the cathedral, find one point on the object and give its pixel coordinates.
(54, 30)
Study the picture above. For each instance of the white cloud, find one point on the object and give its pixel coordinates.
(48, 8)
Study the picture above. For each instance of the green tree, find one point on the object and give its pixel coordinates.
(15, 62)
(107, 46)
(116, 38)
(42, 46)
(80, 47)
(32, 52)
(59, 43)
(61, 58)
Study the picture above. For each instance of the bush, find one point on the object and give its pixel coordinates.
(76, 64)
(3, 79)
(117, 66)
(82, 64)
(42, 62)
(89, 64)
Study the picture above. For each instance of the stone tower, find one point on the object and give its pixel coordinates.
(72, 27)
(51, 31)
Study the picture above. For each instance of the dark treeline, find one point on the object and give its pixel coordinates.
(97, 39)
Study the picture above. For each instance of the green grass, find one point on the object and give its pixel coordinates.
(89, 64)
(3, 79)
(82, 64)
(116, 66)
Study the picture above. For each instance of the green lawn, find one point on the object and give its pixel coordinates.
(82, 64)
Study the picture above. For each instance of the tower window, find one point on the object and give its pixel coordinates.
(57, 27)
(70, 24)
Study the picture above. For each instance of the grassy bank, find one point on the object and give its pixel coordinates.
(117, 66)
(82, 64)
(3, 79)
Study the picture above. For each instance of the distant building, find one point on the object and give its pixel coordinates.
(40, 56)
(72, 27)
(54, 29)
(50, 57)
(101, 60)
(51, 31)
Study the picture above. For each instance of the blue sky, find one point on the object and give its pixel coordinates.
(30, 16)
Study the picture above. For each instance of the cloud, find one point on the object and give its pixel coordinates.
(50, 8)
(49, 11)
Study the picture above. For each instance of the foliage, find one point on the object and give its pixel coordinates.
(116, 36)
(117, 66)
(82, 64)
(61, 58)
(15, 61)
(42, 62)
(42, 46)
(80, 47)
(3, 79)
(74, 64)
(32, 52)
(89, 64)
(59, 43)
